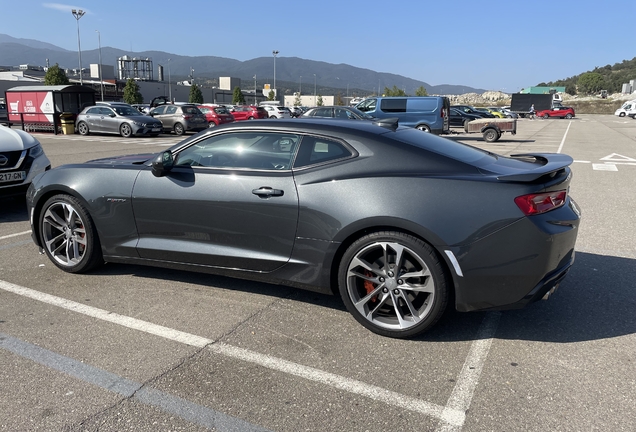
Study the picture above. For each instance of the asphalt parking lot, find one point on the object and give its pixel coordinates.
(147, 349)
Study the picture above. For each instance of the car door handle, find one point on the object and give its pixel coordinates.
(266, 192)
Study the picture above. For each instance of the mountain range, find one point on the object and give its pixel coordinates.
(292, 73)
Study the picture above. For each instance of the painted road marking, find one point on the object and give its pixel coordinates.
(453, 415)
(615, 157)
(564, 136)
(174, 405)
(15, 235)
(604, 167)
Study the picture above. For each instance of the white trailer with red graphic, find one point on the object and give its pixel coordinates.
(40, 107)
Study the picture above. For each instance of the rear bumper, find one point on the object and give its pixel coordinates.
(518, 264)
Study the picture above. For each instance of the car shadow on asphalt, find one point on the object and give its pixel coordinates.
(595, 301)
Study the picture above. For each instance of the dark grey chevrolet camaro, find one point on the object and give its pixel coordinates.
(398, 222)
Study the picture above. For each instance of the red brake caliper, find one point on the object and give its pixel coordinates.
(369, 286)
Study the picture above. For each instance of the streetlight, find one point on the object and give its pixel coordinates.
(169, 83)
(254, 89)
(315, 100)
(78, 14)
(300, 87)
(275, 52)
(101, 77)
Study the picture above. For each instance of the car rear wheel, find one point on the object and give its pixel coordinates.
(179, 129)
(82, 128)
(125, 130)
(545, 116)
(568, 116)
(250, 118)
(211, 124)
(393, 284)
(68, 235)
(423, 128)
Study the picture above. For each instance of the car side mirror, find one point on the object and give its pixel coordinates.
(112, 115)
(162, 164)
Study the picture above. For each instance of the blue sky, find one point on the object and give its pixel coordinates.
(486, 44)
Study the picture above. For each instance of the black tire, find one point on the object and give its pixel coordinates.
(622, 114)
(375, 292)
(250, 118)
(68, 235)
(568, 116)
(546, 116)
(211, 124)
(125, 130)
(179, 129)
(423, 128)
(491, 135)
(82, 128)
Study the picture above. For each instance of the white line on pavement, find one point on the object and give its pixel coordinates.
(453, 417)
(564, 136)
(15, 235)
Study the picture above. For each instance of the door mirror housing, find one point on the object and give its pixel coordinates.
(162, 164)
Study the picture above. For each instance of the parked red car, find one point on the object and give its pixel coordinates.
(216, 115)
(248, 112)
(558, 111)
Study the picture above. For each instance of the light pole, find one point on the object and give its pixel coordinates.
(275, 52)
(101, 78)
(315, 100)
(169, 83)
(78, 13)
(254, 89)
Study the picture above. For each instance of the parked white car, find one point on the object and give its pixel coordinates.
(21, 159)
(277, 111)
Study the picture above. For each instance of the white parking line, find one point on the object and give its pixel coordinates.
(564, 136)
(15, 235)
(453, 415)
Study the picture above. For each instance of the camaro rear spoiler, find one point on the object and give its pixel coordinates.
(550, 163)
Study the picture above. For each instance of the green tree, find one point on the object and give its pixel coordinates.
(394, 91)
(319, 102)
(238, 98)
(421, 91)
(55, 76)
(590, 83)
(132, 95)
(195, 96)
(271, 95)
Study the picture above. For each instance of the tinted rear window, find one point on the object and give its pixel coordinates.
(453, 149)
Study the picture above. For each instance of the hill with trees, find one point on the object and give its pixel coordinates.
(610, 78)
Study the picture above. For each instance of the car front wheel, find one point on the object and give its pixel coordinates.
(545, 116)
(568, 116)
(68, 235)
(393, 284)
(125, 130)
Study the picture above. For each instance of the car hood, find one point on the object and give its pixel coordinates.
(137, 159)
(15, 140)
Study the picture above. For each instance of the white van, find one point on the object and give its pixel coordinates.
(627, 109)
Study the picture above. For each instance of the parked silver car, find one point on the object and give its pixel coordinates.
(180, 118)
(118, 119)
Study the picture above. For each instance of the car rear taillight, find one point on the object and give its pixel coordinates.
(187, 116)
(533, 204)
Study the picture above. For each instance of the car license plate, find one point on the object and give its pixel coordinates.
(156, 129)
(12, 176)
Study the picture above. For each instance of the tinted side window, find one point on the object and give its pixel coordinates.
(315, 150)
(171, 109)
(261, 151)
(159, 110)
(427, 104)
(393, 105)
(322, 112)
(94, 110)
